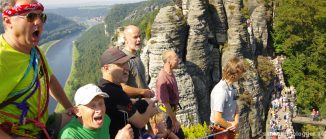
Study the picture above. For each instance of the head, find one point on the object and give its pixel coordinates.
(158, 123)
(115, 66)
(132, 38)
(90, 106)
(171, 59)
(23, 22)
(233, 70)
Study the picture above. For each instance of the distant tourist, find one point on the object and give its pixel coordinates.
(91, 121)
(26, 79)
(224, 109)
(313, 114)
(167, 91)
(136, 77)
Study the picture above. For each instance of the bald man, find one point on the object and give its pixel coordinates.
(25, 76)
(167, 91)
(136, 77)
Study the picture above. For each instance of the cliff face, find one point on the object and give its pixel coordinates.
(206, 34)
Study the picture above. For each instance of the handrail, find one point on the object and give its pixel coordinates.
(212, 135)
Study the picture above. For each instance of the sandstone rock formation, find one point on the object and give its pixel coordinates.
(205, 34)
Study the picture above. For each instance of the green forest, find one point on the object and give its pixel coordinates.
(299, 34)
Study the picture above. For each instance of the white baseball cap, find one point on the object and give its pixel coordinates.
(87, 93)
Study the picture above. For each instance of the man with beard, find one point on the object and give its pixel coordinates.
(26, 79)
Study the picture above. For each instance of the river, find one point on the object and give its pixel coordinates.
(59, 57)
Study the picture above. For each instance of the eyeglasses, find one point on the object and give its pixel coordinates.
(33, 16)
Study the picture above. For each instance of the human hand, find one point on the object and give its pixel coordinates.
(147, 93)
(233, 127)
(125, 133)
(151, 109)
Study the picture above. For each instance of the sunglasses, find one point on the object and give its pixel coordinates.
(33, 16)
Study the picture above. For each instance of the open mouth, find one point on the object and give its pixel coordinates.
(36, 34)
(98, 119)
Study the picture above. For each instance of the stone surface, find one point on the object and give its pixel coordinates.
(206, 34)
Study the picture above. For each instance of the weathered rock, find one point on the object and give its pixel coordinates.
(219, 20)
(169, 32)
(199, 50)
(258, 25)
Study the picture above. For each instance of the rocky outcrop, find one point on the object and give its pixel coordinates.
(169, 32)
(211, 26)
(206, 34)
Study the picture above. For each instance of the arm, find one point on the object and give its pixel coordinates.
(235, 123)
(4, 135)
(175, 123)
(132, 91)
(218, 119)
(58, 94)
(140, 120)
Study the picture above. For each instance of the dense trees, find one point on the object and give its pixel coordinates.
(299, 34)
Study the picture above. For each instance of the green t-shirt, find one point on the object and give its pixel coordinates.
(75, 130)
(13, 65)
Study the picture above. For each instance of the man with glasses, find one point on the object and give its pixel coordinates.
(26, 79)
(119, 106)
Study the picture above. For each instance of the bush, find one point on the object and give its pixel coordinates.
(195, 131)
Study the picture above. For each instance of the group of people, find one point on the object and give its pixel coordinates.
(120, 106)
(314, 114)
(281, 110)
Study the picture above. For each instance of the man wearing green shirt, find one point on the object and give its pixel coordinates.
(91, 121)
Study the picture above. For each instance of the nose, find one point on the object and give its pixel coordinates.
(126, 67)
(38, 20)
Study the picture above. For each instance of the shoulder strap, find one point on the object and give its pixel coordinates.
(10, 100)
(21, 93)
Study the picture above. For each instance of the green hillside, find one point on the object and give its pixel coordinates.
(57, 27)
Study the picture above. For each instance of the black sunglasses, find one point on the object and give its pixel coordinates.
(33, 16)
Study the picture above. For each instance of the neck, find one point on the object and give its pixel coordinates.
(229, 82)
(111, 79)
(131, 50)
(12, 41)
(167, 68)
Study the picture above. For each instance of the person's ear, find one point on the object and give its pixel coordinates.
(77, 111)
(6, 20)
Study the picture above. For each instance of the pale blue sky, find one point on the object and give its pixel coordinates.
(65, 3)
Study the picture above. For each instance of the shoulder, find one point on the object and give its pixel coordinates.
(219, 89)
(68, 131)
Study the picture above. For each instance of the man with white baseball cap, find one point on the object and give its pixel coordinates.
(91, 121)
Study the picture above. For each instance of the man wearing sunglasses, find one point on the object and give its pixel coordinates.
(26, 79)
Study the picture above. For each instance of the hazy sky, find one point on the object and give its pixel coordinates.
(64, 3)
